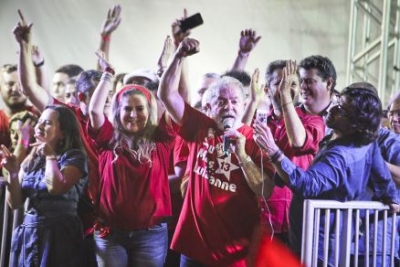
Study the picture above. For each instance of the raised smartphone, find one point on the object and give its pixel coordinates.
(191, 22)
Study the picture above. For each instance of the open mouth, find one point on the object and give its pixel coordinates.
(224, 117)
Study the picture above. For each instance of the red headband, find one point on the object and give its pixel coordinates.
(135, 87)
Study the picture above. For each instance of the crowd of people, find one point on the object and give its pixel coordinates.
(122, 169)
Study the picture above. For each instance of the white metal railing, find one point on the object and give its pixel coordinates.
(373, 245)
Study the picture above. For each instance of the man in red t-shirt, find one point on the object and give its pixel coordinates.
(14, 100)
(220, 210)
(296, 132)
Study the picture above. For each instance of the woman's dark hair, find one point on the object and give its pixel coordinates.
(366, 113)
(69, 126)
(72, 136)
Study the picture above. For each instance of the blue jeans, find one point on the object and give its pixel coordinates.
(132, 248)
(189, 262)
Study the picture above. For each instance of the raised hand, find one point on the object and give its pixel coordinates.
(37, 56)
(188, 47)
(248, 40)
(8, 160)
(25, 130)
(22, 31)
(177, 35)
(165, 54)
(257, 91)
(112, 20)
(290, 80)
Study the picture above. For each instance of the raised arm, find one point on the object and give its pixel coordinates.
(110, 24)
(165, 55)
(38, 62)
(294, 127)
(256, 94)
(248, 40)
(168, 91)
(178, 36)
(36, 94)
(100, 94)
(25, 131)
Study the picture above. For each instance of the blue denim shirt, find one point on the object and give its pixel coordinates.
(340, 171)
(389, 143)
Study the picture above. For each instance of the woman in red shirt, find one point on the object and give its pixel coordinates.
(134, 201)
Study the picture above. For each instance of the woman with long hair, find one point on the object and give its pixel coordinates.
(134, 151)
(52, 177)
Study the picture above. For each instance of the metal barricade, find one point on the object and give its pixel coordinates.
(354, 233)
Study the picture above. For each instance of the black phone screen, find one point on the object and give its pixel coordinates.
(191, 22)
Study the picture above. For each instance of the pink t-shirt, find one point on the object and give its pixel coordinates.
(134, 195)
(220, 211)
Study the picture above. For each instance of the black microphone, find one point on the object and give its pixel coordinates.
(226, 140)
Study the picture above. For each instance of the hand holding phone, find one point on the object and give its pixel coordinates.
(191, 22)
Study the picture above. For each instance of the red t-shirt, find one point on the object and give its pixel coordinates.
(279, 202)
(4, 130)
(134, 195)
(220, 211)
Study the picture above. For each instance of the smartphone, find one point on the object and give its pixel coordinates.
(261, 116)
(191, 22)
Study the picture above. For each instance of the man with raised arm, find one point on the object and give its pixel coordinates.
(220, 210)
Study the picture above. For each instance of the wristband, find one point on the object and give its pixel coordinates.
(25, 143)
(106, 76)
(243, 54)
(39, 64)
(110, 70)
(105, 38)
(284, 105)
(276, 156)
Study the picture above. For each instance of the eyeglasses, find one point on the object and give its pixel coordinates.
(342, 111)
(392, 113)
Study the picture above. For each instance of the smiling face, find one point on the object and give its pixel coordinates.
(48, 129)
(11, 91)
(314, 92)
(227, 106)
(134, 113)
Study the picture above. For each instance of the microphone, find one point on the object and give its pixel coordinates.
(226, 140)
